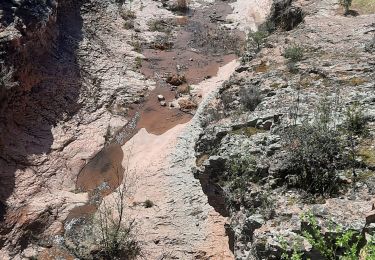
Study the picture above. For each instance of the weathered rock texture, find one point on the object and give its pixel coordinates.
(336, 65)
(75, 77)
(75, 68)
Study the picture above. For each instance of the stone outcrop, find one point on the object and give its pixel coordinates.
(262, 202)
(75, 81)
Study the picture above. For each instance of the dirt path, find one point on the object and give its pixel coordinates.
(181, 224)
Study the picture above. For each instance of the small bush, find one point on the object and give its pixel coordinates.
(137, 63)
(181, 5)
(316, 152)
(148, 204)
(241, 169)
(250, 97)
(293, 53)
(334, 244)
(346, 4)
(355, 122)
(257, 39)
(127, 14)
(162, 42)
(161, 25)
(129, 24)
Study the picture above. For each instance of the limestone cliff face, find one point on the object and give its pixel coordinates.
(51, 50)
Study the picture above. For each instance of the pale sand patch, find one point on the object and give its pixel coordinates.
(181, 223)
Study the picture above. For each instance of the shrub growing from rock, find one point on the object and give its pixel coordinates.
(257, 39)
(240, 171)
(337, 243)
(346, 4)
(316, 152)
(293, 53)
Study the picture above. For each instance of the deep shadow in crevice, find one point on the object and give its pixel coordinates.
(53, 80)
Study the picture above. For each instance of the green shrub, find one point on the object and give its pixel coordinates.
(241, 169)
(315, 152)
(161, 25)
(346, 4)
(128, 24)
(335, 244)
(293, 53)
(162, 42)
(355, 122)
(257, 39)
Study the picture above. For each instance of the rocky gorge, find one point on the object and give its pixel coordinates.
(165, 116)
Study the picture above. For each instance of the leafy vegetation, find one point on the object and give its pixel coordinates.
(114, 232)
(293, 53)
(161, 25)
(316, 152)
(257, 39)
(241, 169)
(346, 4)
(333, 245)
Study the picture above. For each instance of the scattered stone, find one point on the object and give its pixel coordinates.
(161, 97)
(163, 103)
(242, 68)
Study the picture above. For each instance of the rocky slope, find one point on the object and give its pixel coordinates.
(242, 156)
(219, 186)
(76, 78)
(70, 81)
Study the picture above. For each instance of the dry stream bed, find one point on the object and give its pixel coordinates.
(200, 47)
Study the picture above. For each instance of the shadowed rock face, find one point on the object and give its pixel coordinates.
(49, 81)
(285, 15)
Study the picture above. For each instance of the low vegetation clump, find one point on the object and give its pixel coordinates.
(129, 17)
(257, 39)
(240, 171)
(318, 148)
(137, 63)
(162, 42)
(216, 40)
(127, 14)
(293, 53)
(161, 25)
(248, 131)
(355, 122)
(346, 4)
(180, 6)
(334, 244)
(315, 155)
(114, 232)
(148, 203)
(250, 97)
(254, 42)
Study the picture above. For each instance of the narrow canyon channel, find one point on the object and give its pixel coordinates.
(204, 54)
